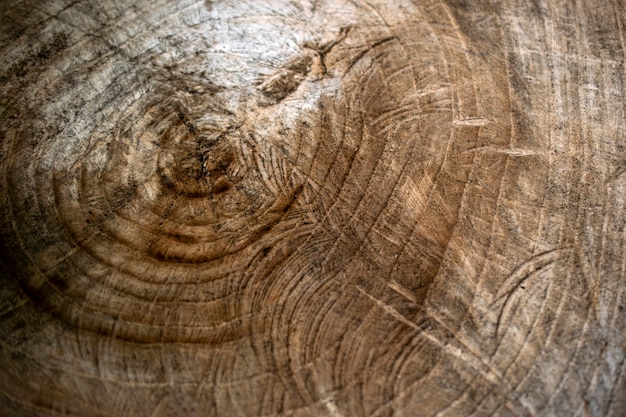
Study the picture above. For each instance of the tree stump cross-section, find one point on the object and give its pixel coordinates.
(312, 208)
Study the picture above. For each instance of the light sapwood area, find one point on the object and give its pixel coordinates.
(312, 208)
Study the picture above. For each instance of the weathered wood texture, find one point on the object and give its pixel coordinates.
(309, 208)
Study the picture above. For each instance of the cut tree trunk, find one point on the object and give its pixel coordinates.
(312, 208)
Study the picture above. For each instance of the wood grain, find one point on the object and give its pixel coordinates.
(312, 208)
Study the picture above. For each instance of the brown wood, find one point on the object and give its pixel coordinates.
(312, 208)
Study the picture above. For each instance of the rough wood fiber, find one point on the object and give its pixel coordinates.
(309, 208)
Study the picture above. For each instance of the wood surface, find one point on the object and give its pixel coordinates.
(312, 208)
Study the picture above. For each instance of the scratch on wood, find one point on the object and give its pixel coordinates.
(469, 356)
(402, 290)
(507, 151)
(472, 121)
(389, 309)
(520, 275)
